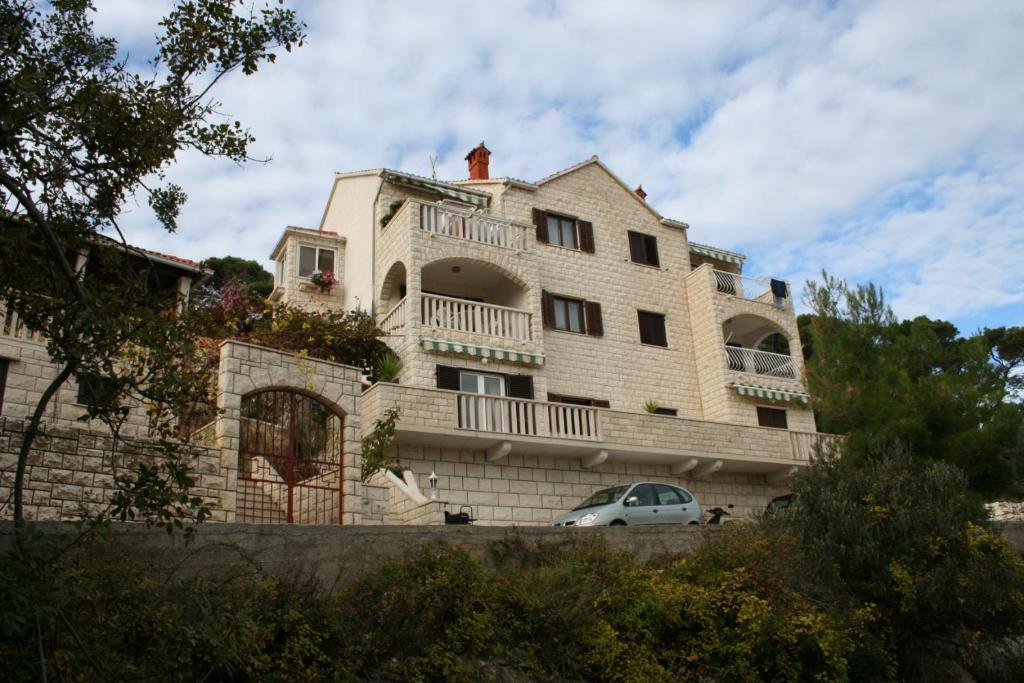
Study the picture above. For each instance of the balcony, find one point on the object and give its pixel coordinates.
(11, 327)
(461, 315)
(500, 425)
(470, 226)
(764, 290)
(766, 363)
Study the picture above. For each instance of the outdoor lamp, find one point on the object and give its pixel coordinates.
(433, 485)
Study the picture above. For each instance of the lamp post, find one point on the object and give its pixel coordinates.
(433, 485)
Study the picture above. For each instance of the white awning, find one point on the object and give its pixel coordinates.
(770, 393)
(469, 196)
(510, 355)
(717, 254)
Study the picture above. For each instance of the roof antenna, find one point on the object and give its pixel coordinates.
(433, 167)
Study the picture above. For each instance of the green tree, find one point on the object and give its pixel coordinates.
(81, 133)
(915, 382)
(249, 273)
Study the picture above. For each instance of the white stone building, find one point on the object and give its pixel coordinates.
(557, 337)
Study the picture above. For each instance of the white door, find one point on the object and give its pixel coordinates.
(483, 412)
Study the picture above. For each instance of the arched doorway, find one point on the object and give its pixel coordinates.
(289, 459)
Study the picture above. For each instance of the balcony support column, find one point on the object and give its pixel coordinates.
(707, 469)
(499, 451)
(684, 466)
(780, 477)
(594, 459)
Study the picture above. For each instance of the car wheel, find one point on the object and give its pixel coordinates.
(617, 522)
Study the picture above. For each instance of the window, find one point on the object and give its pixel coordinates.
(652, 328)
(643, 249)
(3, 381)
(95, 390)
(771, 417)
(578, 401)
(564, 231)
(644, 493)
(571, 315)
(486, 383)
(312, 259)
(670, 495)
(666, 411)
(279, 273)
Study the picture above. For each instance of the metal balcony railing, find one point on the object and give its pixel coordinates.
(760, 362)
(753, 289)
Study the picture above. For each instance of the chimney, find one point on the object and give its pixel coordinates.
(478, 159)
(640, 192)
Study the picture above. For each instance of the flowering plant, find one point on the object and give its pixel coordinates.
(324, 280)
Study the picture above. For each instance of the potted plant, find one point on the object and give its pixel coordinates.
(323, 280)
(388, 367)
(651, 406)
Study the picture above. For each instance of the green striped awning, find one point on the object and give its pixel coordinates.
(478, 199)
(483, 351)
(717, 254)
(756, 391)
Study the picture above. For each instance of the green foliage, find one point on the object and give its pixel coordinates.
(388, 367)
(246, 272)
(651, 406)
(902, 537)
(377, 443)
(915, 382)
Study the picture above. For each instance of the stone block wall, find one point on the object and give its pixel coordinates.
(69, 468)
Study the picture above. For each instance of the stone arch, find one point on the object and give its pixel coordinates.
(393, 287)
(483, 261)
(748, 330)
(474, 278)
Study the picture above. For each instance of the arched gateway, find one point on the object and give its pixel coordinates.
(290, 459)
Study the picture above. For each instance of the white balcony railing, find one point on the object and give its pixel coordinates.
(474, 227)
(448, 313)
(752, 288)
(760, 362)
(521, 417)
(12, 327)
(394, 320)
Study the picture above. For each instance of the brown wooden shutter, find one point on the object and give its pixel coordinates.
(601, 403)
(448, 377)
(547, 309)
(636, 247)
(519, 386)
(3, 380)
(585, 232)
(540, 221)
(592, 311)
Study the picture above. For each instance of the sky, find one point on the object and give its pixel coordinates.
(880, 141)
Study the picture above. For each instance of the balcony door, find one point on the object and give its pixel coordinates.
(483, 412)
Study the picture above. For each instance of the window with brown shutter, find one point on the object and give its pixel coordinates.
(567, 314)
(585, 229)
(447, 377)
(771, 417)
(594, 325)
(643, 249)
(547, 309)
(540, 221)
(3, 381)
(519, 386)
(652, 328)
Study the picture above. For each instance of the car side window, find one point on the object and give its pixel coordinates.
(667, 495)
(684, 496)
(644, 494)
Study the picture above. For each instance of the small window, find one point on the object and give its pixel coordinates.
(94, 390)
(652, 328)
(313, 259)
(643, 249)
(562, 231)
(771, 417)
(568, 314)
(666, 411)
(3, 381)
(578, 401)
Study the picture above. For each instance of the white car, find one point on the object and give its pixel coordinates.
(643, 502)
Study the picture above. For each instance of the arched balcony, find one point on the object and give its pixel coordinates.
(476, 297)
(755, 345)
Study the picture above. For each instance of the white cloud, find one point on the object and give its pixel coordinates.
(876, 139)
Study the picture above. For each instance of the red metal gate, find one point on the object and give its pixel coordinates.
(290, 460)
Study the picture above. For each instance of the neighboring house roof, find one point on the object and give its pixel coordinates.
(194, 267)
(313, 232)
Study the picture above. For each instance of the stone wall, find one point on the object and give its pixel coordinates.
(68, 468)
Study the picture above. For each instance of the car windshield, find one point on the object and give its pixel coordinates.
(603, 497)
